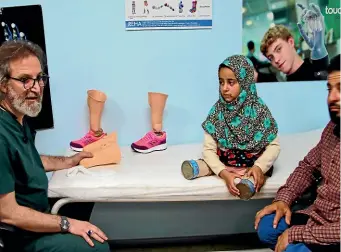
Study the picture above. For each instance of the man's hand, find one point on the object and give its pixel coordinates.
(75, 159)
(81, 228)
(229, 180)
(258, 176)
(282, 242)
(281, 208)
(53, 163)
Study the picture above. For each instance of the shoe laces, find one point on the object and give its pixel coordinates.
(87, 138)
(147, 137)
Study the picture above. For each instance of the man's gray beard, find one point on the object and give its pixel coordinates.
(19, 104)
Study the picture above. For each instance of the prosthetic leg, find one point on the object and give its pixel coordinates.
(194, 6)
(146, 9)
(155, 140)
(170, 7)
(105, 151)
(133, 7)
(96, 100)
(181, 7)
(164, 5)
(192, 169)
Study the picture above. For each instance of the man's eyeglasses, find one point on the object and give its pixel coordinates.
(29, 83)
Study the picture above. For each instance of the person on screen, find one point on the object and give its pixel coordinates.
(278, 46)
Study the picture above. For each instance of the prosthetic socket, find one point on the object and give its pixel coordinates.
(157, 102)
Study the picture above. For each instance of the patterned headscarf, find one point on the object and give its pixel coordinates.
(246, 123)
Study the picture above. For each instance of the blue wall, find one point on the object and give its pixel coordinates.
(88, 48)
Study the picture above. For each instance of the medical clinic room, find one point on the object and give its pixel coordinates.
(173, 125)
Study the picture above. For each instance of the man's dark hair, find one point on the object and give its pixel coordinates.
(334, 64)
(250, 45)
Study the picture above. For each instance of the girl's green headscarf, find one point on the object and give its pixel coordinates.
(245, 123)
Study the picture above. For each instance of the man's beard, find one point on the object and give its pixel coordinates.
(333, 114)
(334, 117)
(19, 103)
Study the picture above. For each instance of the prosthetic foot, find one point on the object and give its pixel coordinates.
(192, 169)
(105, 151)
(96, 100)
(246, 188)
(133, 7)
(155, 140)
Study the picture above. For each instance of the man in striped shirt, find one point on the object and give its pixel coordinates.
(316, 228)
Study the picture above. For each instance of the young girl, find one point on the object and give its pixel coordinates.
(240, 133)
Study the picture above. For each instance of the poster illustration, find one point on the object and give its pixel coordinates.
(171, 14)
(291, 40)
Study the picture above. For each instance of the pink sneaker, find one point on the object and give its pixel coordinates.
(150, 142)
(89, 138)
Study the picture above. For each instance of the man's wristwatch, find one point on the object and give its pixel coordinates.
(64, 224)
